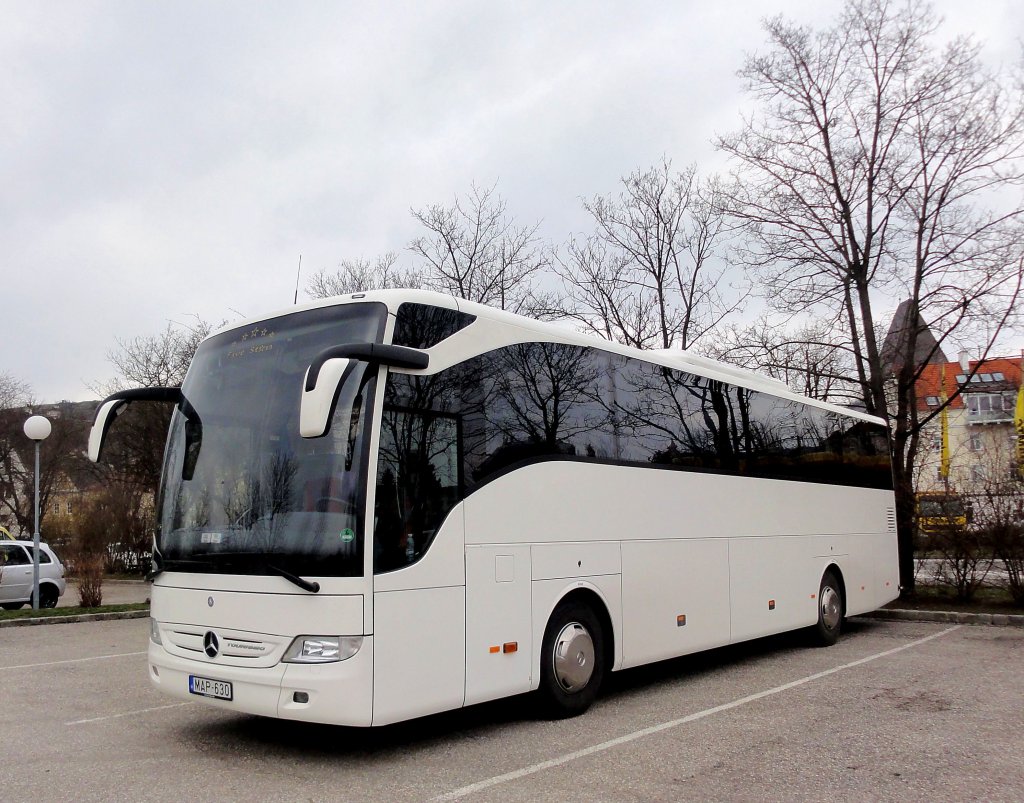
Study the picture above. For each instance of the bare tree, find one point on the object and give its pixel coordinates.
(112, 531)
(472, 249)
(162, 360)
(14, 392)
(121, 508)
(355, 275)
(647, 275)
(159, 360)
(812, 358)
(60, 456)
(881, 163)
(15, 397)
(475, 250)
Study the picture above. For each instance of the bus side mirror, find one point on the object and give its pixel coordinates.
(318, 401)
(114, 405)
(327, 370)
(105, 415)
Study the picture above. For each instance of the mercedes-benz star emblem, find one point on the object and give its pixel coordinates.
(209, 601)
(211, 644)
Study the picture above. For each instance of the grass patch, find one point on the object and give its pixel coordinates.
(27, 612)
(986, 600)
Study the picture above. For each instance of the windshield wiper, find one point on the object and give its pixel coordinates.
(311, 586)
(226, 558)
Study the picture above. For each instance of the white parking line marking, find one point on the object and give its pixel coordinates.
(73, 660)
(465, 791)
(127, 713)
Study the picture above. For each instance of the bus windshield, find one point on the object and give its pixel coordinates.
(242, 492)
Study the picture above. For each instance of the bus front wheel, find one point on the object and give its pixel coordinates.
(830, 611)
(572, 660)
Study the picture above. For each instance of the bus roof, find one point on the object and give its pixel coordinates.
(508, 328)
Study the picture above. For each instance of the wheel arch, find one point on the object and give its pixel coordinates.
(591, 596)
(47, 583)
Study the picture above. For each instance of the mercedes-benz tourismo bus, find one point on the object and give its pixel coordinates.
(388, 504)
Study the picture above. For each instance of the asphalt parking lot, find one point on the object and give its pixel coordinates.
(895, 711)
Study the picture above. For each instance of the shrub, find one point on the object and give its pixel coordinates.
(966, 558)
(1008, 546)
(90, 581)
(1001, 509)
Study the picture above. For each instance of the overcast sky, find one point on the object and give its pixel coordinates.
(160, 161)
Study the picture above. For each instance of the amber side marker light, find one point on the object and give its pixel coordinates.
(510, 646)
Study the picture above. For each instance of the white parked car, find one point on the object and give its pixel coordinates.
(16, 575)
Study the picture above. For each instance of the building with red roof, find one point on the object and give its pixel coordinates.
(981, 440)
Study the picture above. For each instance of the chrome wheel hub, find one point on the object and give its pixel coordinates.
(573, 658)
(831, 607)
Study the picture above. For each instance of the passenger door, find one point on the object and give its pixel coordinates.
(16, 580)
(419, 603)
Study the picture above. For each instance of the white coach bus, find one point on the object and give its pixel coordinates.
(394, 503)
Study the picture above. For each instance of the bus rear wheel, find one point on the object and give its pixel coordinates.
(830, 611)
(572, 660)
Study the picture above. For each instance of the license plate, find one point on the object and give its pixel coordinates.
(207, 687)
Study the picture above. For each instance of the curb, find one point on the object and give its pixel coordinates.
(949, 617)
(81, 617)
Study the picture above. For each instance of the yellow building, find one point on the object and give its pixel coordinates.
(978, 442)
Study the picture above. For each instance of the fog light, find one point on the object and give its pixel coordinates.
(322, 649)
(154, 631)
(300, 697)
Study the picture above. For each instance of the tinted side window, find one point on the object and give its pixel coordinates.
(676, 419)
(417, 484)
(672, 418)
(540, 401)
(866, 454)
(419, 464)
(14, 555)
(421, 326)
(445, 435)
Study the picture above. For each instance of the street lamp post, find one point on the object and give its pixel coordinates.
(38, 429)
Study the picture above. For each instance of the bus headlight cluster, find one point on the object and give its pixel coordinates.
(154, 631)
(322, 649)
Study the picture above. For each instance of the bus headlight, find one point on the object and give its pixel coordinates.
(154, 631)
(322, 649)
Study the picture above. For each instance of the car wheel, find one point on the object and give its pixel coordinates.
(830, 611)
(48, 596)
(12, 606)
(572, 660)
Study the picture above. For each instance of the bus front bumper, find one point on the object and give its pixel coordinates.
(339, 693)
